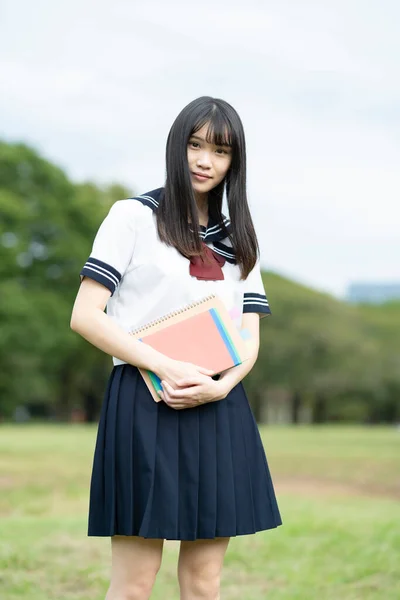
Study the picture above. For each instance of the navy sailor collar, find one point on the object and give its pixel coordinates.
(212, 233)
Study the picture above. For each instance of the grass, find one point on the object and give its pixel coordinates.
(338, 489)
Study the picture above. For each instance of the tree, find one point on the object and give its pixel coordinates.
(47, 228)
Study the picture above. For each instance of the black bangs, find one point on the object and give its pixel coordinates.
(178, 203)
(219, 131)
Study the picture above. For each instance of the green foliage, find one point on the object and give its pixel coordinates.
(332, 360)
(47, 227)
(339, 358)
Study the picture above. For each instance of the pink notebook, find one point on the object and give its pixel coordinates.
(202, 333)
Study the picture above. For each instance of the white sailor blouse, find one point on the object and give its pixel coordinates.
(148, 279)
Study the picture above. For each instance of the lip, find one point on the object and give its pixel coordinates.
(200, 176)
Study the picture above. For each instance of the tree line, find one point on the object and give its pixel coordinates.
(320, 358)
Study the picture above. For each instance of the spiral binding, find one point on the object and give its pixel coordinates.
(171, 314)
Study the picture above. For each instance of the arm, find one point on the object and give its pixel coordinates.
(233, 376)
(92, 323)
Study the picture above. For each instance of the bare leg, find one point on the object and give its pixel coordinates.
(199, 568)
(135, 564)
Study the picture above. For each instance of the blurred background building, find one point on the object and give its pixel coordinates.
(375, 293)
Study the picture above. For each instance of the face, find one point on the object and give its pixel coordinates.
(208, 163)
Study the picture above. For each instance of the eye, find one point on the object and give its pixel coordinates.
(192, 142)
(222, 151)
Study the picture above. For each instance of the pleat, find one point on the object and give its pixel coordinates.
(110, 483)
(189, 474)
(144, 448)
(226, 495)
(266, 515)
(242, 490)
(207, 475)
(162, 511)
(248, 474)
(98, 490)
(124, 460)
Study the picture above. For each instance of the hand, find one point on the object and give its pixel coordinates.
(200, 391)
(173, 371)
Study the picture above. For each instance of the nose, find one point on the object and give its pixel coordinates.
(204, 159)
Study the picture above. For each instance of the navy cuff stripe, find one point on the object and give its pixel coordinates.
(253, 302)
(104, 266)
(256, 308)
(102, 272)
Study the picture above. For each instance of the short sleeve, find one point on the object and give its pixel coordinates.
(112, 247)
(254, 296)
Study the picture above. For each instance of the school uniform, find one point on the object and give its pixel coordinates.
(158, 472)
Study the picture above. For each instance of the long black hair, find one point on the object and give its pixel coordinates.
(177, 204)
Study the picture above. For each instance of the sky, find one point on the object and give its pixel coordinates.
(95, 86)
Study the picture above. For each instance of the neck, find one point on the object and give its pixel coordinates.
(202, 206)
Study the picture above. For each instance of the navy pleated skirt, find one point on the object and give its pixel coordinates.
(196, 473)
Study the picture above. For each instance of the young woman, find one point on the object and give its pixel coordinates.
(191, 467)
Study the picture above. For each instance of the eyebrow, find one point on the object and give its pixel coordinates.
(197, 137)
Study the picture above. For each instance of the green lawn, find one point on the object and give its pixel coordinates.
(338, 490)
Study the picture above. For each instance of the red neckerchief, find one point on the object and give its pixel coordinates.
(208, 265)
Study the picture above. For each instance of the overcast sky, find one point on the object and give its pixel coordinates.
(95, 87)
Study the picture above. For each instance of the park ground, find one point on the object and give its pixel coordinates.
(338, 489)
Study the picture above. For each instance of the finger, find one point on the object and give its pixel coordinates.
(167, 397)
(166, 391)
(172, 384)
(181, 406)
(205, 371)
(184, 393)
(177, 405)
(189, 382)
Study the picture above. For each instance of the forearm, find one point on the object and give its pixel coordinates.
(99, 329)
(233, 376)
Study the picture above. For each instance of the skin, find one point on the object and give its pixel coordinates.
(135, 560)
(206, 159)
